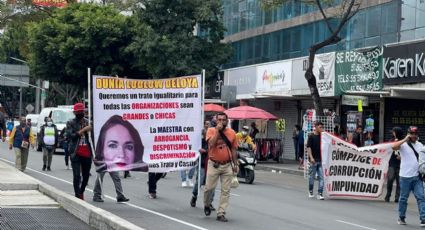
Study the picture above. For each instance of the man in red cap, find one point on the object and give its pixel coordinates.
(77, 133)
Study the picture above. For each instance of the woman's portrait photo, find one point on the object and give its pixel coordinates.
(119, 147)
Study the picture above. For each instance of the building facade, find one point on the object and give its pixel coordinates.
(269, 61)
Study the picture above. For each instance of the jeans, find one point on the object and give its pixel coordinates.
(393, 175)
(83, 163)
(183, 174)
(415, 185)
(195, 188)
(316, 167)
(97, 191)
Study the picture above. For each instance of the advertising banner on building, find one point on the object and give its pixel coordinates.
(351, 172)
(323, 69)
(275, 77)
(50, 3)
(358, 71)
(147, 123)
(404, 63)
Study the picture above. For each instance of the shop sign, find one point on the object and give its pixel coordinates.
(404, 63)
(213, 87)
(354, 100)
(358, 71)
(243, 78)
(274, 77)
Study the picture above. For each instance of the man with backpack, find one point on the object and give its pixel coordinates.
(410, 179)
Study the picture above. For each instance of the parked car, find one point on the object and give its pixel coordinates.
(60, 116)
(34, 121)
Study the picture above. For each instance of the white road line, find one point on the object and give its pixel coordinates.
(112, 198)
(357, 225)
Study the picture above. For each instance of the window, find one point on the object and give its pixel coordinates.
(373, 27)
(408, 17)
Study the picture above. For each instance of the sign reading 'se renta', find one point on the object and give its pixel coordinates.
(404, 63)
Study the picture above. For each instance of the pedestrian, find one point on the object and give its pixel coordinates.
(97, 191)
(410, 179)
(78, 134)
(368, 141)
(49, 140)
(301, 148)
(222, 163)
(204, 157)
(254, 131)
(64, 144)
(20, 139)
(315, 158)
(243, 138)
(3, 126)
(295, 136)
(394, 167)
(358, 136)
(186, 177)
(152, 182)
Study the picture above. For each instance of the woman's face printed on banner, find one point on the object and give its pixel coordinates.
(119, 147)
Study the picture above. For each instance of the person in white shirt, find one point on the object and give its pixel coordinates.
(410, 180)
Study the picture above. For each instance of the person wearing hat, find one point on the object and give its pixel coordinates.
(410, 180)
(80, 150)
(243, 137)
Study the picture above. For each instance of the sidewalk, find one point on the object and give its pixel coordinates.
(26, 203)
(287, 166)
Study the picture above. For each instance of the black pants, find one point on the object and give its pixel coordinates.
(80, 166)
(153, 178)
(393, 175)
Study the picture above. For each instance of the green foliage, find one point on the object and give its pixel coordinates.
(77, 37)
(164, 41)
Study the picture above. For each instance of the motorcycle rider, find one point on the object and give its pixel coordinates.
(243, 138)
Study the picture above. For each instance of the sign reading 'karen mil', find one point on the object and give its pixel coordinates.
(404, 63)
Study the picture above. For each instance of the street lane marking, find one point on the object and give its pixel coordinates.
(109, 197)
(357, 225)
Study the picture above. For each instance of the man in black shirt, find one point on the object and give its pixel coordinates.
(315, 158)
(358, 137)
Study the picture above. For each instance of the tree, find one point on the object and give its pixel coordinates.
(165, 41)
(346, 9)
(79, 36)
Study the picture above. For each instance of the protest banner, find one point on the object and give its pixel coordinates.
(351, 172)
(147, 123)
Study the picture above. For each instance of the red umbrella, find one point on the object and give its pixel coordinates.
(249, 112)
(213, 108)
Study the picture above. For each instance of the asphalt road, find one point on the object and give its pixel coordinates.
(274, 201)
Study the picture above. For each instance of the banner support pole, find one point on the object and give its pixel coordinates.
(203, 121)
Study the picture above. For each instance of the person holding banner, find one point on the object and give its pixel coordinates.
(394, 168)
(315, 158)
(77, 133)
(410, 179)
(222, 163)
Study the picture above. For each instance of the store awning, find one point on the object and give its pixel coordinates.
(408, 93)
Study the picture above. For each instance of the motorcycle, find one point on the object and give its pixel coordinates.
(247, 163)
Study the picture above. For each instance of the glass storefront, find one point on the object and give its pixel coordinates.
(382, 24)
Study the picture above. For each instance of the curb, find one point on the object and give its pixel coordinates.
(279, 169)
(95, 217)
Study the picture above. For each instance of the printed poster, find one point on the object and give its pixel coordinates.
(147, 124)
(358, 71)
(351, 172)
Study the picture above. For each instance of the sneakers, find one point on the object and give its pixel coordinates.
(222, 218)
(44, 168)
(184, 184)
(191, 183)
(67, 167)
(81, 196)
(212, 208)
(193, 201)
(422, 223)
(122, 199)
(152, 195)
(402, 221)
(207, 210)
(48, 169)
(310, 195)
(98, 199)
(320, 196)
